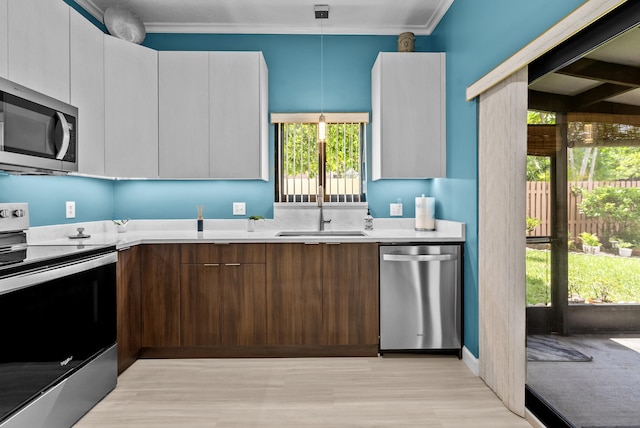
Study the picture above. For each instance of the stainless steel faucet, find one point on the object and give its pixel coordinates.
(320, 199)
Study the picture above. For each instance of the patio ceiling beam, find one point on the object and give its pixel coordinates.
(544, 101)
(597, 94)
(602, 71)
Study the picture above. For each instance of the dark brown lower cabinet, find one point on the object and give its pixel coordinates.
(323, 294)
(160, 295)
(200, 305)
(350, 294)
(294, 294)
(244, 317)
(129, 296)
(223, 304)
(280, 299)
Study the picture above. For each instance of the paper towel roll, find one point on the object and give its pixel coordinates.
(425, 210)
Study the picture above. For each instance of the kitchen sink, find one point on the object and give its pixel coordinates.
(322, 233)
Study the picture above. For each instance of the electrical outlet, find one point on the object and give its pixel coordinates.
(71, 209)
(395, 210)
(239, 208)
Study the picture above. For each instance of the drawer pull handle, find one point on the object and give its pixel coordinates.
(232, 264)
(211, 264)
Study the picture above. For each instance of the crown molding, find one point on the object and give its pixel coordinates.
(245, 28)
(92, 9)
(204, 28)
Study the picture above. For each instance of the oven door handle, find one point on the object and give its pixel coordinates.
(53, 272)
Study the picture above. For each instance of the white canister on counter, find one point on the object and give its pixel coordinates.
(425, 213)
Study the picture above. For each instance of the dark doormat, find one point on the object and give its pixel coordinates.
(548, 348)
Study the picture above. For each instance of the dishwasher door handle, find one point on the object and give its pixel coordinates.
(418, 257)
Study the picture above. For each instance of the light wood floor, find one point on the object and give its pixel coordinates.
(394, 391)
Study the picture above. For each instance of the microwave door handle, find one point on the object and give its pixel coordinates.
(66, 136)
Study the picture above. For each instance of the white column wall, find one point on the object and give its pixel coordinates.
(501, 238)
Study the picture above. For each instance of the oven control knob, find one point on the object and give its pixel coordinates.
(19, 213)
(5, 213)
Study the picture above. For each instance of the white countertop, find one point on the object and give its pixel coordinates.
(232, 231)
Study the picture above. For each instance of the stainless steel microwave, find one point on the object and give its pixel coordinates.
(37, 132)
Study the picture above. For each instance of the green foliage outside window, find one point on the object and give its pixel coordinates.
(342, 149)
(301, 150)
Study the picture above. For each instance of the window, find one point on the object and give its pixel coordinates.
(304, 164)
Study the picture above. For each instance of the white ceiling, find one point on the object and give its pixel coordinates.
(382, 17)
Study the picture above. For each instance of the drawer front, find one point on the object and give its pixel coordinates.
(222, 253)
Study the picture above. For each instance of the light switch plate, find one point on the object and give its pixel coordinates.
(71, 209)
(239, 208)
(395, 210)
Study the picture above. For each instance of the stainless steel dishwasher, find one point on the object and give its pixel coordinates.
(421, 298)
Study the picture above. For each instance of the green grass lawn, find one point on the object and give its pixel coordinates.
(603, 277)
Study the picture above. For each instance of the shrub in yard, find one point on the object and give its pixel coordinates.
(625, 244)
(532, 223)
(589, 239)
(618, 207)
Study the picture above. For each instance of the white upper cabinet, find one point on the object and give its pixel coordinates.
(4, 38)
(131, 109)
(213, 115)
(239, 133)
(87, 92)
(408, 115)
(183, 98)
(38, 52)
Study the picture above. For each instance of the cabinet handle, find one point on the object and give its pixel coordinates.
(232, 264)
(211, 264)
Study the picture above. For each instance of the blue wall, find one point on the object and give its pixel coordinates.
(476, 35)
(46, 197)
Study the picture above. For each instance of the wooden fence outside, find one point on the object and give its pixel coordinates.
(539, 206)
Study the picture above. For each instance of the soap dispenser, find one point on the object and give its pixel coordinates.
(368, 221)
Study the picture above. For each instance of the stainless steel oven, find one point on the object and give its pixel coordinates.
(37, 133)
(58, 314)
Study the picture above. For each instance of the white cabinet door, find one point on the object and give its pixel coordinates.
(183, 100)
(238, 115)
(39, 50)
(131, 109)
(4, 38)
(87, 92)
(408, 115)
